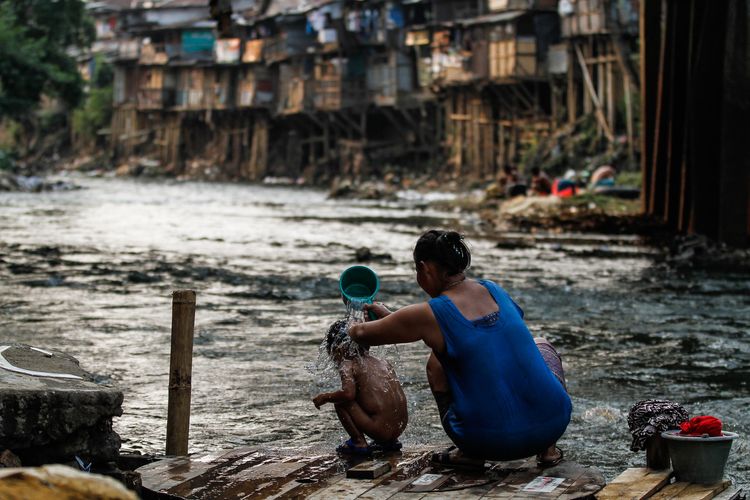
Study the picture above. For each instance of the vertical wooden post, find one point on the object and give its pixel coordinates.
(587, 102)
(600, 85)
(180, 372)
(650, 38)
(572, 90)
(610, 98)
(628, 115)
(734, 170)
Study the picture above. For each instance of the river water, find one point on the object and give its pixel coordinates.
(90, 272)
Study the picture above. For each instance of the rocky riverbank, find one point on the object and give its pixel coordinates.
(10, 182)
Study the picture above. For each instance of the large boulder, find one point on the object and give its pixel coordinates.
(52, 411)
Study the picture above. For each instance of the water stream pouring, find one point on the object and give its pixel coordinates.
(359, 285)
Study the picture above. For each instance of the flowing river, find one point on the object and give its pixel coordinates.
(90, 272)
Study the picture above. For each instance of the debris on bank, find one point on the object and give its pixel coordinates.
(33, 184)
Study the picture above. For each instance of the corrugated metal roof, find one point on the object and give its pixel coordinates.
(492, 18)
(161, 4)
(277, 7)
(108, 5)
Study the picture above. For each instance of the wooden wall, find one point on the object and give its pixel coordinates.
(695, 70)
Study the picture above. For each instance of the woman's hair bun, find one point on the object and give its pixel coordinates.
(448, 248)
(453, 237)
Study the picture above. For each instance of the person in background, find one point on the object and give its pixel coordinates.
(603, 177)
(540, 183)
(566, 186)
(510, 184)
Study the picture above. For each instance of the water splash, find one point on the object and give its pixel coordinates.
(324, 370)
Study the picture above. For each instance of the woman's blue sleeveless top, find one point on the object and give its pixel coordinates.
(506, 403)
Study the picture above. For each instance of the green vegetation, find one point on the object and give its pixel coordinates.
(96, 111)
(38, 69)
(610, 205)
(35, 36)
(6, 162)
(630, 179)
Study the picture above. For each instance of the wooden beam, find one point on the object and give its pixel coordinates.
(628, 118)
(635, 483)
(705, 136)
(622, 56)
(650, 30)
(597, 103)
(678, 81)
(572, 87)
(734, 187)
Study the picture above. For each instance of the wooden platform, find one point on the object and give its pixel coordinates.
(641, 483)
(255, 473)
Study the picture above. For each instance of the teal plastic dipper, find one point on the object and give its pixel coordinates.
(359, 284)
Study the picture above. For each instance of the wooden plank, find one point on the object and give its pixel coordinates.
(170, 473)
(428, 482)
(387, 489)
(730, 494)
(690, 491)
(597, 103)
(345, 489)
(635, 483)
(650, 30)
(368, 470)
(586, 484)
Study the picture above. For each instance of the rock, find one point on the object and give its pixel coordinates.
(32, 184)
(364, 254)
(60, 481)
(494, 191)
(9, 459)
(8, 182)
(341, 189)
(149, 167)
(531, 205)
(123, 170)
(46, 418)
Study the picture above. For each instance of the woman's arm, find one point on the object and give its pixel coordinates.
(409, 324)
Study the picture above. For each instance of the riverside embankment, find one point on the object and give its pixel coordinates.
(90, 272)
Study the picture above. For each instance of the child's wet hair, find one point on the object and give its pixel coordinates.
(447, 248)
(336, 335)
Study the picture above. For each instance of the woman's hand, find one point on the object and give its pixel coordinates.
(378, 308)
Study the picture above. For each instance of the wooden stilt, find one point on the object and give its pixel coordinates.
(628, 117)
(592, 93)
(180, 372)
(572, 89)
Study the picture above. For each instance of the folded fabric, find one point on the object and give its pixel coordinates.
(649, 418)
(698, 426)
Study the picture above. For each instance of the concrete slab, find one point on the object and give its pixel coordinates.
(52, 410)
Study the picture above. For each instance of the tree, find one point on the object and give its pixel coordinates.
(35, 39)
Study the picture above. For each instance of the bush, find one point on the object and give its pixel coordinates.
(95, 114)
(6, 162)
(630, 179)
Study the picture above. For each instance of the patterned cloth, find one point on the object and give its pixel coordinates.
(651, 417)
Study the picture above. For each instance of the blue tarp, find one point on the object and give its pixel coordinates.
(197, 41)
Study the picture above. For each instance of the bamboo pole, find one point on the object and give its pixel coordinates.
(610, 97)
(597, 104)
(628, 116)
(180, 372)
